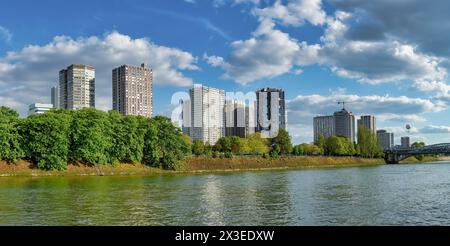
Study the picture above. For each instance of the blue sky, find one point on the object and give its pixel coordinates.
(375, 56)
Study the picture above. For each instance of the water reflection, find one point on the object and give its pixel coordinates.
(386, 195)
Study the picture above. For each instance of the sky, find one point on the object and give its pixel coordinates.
(389, 58)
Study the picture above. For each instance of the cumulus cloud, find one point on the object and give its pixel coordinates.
(294, 13)
(304, 107)
(36, 67)
(375, 61)
(269, 53)
(358, 43)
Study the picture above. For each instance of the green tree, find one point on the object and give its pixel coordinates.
(282, 142)
(257, 144)
(368, 144)
(128, 134)
(321, 142)
(92, 137)
(10, 149)
(418, 145)
(198, 148)
(338, 146)
(165, 147)
(46, 139)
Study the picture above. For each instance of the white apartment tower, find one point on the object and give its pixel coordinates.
(77, 87)
(203, 114)
(323, 126)
(369, 122)
(271, 111)
(132, 90)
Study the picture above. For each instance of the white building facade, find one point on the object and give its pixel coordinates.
(204, 115)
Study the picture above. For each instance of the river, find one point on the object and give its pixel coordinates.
(379, 195)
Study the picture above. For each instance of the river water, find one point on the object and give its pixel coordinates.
(379, 195)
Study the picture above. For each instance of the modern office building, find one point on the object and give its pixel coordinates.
(386, 139)
(55, 96)
(405, 142)
(39, 108)
(271, 111)
(77, 87)
(344, 124)
(132, 90)
(323, 126)
(207, 116)
(369, 122)
(239, 119)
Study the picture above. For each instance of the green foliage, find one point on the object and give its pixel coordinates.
(198, 148)
(257, 144)
(307, 149)
(282, 144)
(92, 137)
(339, 146)
(418, 145)
(165, 144)
(46, 139)
(228, 155)
(128, 134)
(231, 144)
(368, 143)
(10, 149)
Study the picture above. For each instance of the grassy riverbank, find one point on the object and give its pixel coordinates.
(191, 165)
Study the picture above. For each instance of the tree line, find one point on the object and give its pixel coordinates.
(368, 146)
(90, 137)
(94, 137)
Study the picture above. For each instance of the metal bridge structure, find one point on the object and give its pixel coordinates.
(396, 154)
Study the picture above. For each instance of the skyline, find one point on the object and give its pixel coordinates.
(319, 52)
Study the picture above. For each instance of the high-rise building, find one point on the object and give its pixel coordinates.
(132, 90)
(405, 142)
(39, 108)
(369, 122)
(55, 96)
(344, 124)
(77, 87)
(386, 139)
(239, 119)
(207, 116)
(271, 111)
(323, 126)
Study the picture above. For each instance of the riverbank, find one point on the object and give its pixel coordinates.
(191, 165)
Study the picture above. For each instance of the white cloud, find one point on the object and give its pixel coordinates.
(433, 129)
(5, 34)
(36, 67)
(220, 3)
(269, 53)
(294, 13)
(303, 108)
(190, 1)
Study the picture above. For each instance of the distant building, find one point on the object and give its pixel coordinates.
(323, 126)
(386, 139)
(207, 117)
(369, 122)
(55, 96)
(39, 108)
(132, 90)
(271, 111)
(77, 87)
(344, 124)
(239, 119)
(405, 142)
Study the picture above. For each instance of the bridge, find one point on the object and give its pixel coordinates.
(396, 154)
